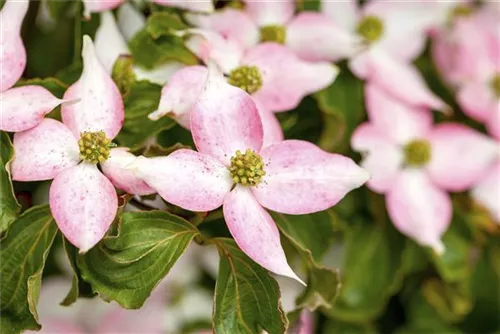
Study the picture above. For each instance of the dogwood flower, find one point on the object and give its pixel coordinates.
(414, 164)
(97, 6)
(206, 6)
(83, 201)
(486, 192)
(233, 170)
(23, 107)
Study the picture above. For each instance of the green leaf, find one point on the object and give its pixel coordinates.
(451, 301)
(54, 85)
(9, 207)
(143, 99)
(22, 259)
(335, 326)
(72, 254)
(123, 74)
(247, 298)
(57, 9)
(164, 23)
(128, 266)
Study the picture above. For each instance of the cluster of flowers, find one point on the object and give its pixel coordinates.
(261, 59)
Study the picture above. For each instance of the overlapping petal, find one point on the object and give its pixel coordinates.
(301, 178)
(130, 20)
(266, 13)
(97, 6)
(273, 133)
(109, 42)
(83, 203)
(486, 191)
(344, 13)
(206, 6)
(477, 100)
(44, 151)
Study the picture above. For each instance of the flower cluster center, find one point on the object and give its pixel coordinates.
(417, 153)
(273, 33)
(495, 85)
(247, 168)
(370, 28)
(94, 146)
(247, 78)
(461, 11)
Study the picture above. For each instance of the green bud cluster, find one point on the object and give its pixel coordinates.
(273, 33)
(370, 28)
(247, 78)
(94, 146)
(247, 168)
(417, 153)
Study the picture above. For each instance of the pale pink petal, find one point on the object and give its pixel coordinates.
(344, 13)
(383, 159)
(180, 93)
(206, 6)
(271, 126)
(460, 156)
(418, 209)
(315, 36)
(255, 232)
(24, 107)
(398, 78)
(83, 203)
(97, 6)
(109, 42)
(230, 23)
(477, 100)
(130, 20)
(44, 151)
(396, 119)
(225, 119)
(101, 105)
(266, 13)
(149, 319)
(57, 326)
(301, 178)
(286, 79)
(12, 52)
(487, 191)
(493, 124)
(186, 178)
(115, 168)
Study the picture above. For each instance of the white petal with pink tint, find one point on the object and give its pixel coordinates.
(97, 6)
(301, 178)
(487, 192)
(255, 232)
(225, 119)
(115, 168)
(272, 128)
(186, 178)
(206, 6)
(477, 100)
(270, 12)
(83, 203)
(180, 93)
(44, 151)
(315, 36)
(460, 156)
(22, 108)
(344, 13)
(109, 42)
(130, 20)
(418, 209)
(397, 120)
(286, 79)
(12, 52)
(101, 105)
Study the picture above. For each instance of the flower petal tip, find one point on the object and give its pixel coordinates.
(438, 248)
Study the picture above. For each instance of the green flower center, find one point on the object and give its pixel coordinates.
(247, 78)
(371, 28)
(247, 168)
(495, 85)
(273, 33)
(417, 153)
(94, 146)
(461, 11)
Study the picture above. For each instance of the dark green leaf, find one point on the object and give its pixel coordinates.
(9, 207)
(164, 23)
(246, 296)
(57, 9)
(123, 74)
(127, 267)
(451, 301)
(54, 85)
(22, 259)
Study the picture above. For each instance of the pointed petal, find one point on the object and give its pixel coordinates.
(272, 129)
(186, 178)
(115, 168)
(130, 20)
(315, 37)
(101, 105)
(477, 100)
(109, 42)
(383, 159)
(460, 156)
(225, 119)
(180, 93)
(24, 107)
(301, 178)
(44, 151)
(255, 232)
(344, 13)
(12, 52)
(266, 13)
(97, 6)
(286, 79)
(486, 191)
(205, 6)
(83, 203)
(418, 209)
(400, 122)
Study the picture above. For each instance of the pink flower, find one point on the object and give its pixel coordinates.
(22, 107)
(82, 200)
(97, 6)
(206, 6)
(414, 164)
(486, 191)
(233, 170)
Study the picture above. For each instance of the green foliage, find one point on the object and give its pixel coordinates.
(246, 296)
(123, 74)
(9, 207)
(22, 259)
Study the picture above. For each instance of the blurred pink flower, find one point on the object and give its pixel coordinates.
(487, 193)
(206, 6)
(233, 169)
(415, 164)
